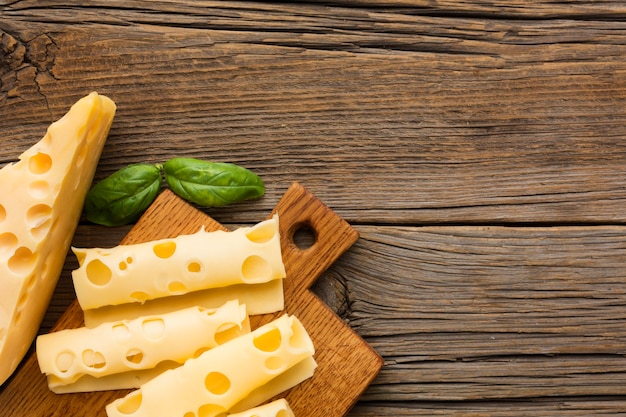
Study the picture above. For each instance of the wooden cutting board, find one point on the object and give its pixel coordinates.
(346, 363)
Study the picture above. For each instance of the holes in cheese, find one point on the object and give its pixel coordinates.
(38, 219)
(187, 263)
(176, 287)
(139, 297)
(207, 410)
(153, 328)
(165, 249)
(40, 163)
(41, 199)
(268, 341)
(39, 189)
(115, 355)
(263, 232)
(82, 152)
(22, 261)
(121, 331)
(93, 359)
(274, 363)
(30, 281)
(22, 300)
(132, 404)
(134, 357)
(64, 361)
(98, 273)
(223, 334)
(217, 383)
(256, 269)
(221, 378)
(194, 267)
(8, 242)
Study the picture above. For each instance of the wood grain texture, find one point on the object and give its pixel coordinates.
(539, 310)
(415, 118)
(477, 147)
(565, 407)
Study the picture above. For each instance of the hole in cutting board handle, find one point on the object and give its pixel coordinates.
(303, 235)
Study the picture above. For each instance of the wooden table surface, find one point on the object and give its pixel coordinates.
(478, 147)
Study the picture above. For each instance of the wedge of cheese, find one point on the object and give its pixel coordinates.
(41, 199)
(126, 354)
(211, 384)
(277, 408)
(176, 266)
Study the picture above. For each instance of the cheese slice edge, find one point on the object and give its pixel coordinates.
(263, 298)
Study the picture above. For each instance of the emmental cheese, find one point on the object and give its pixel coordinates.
(126, 354)
(41, 199)
(176, 266)
(211, 384)
(277, 408)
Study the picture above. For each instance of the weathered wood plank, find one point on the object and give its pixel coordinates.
(567, 407)
(531, 312)
(533, 9)
(512, 378)
(389, 116)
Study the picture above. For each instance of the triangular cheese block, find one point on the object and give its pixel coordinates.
(41, 199)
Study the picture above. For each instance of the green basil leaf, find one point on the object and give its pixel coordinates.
(211, 184)
(122, 197)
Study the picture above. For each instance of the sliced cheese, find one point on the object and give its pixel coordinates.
(187, 263)
(277, 408)
(288, 379)
(122, 354)
(215, 381)
(41, 199)
(264, 298)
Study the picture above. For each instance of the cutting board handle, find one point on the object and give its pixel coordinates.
(299, 209)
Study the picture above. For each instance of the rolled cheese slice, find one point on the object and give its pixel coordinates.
(124, 354)
(215, 381)
(277, 408)
(41, 199)
(187, 263)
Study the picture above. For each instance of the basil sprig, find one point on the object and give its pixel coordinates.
(211, 184)
(123, 197)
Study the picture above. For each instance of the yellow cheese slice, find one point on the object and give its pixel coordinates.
(277, 408)
(215, 381)
(267, 297)
(123, 354)
(290, 378)
(187, 263)
(41, 199)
